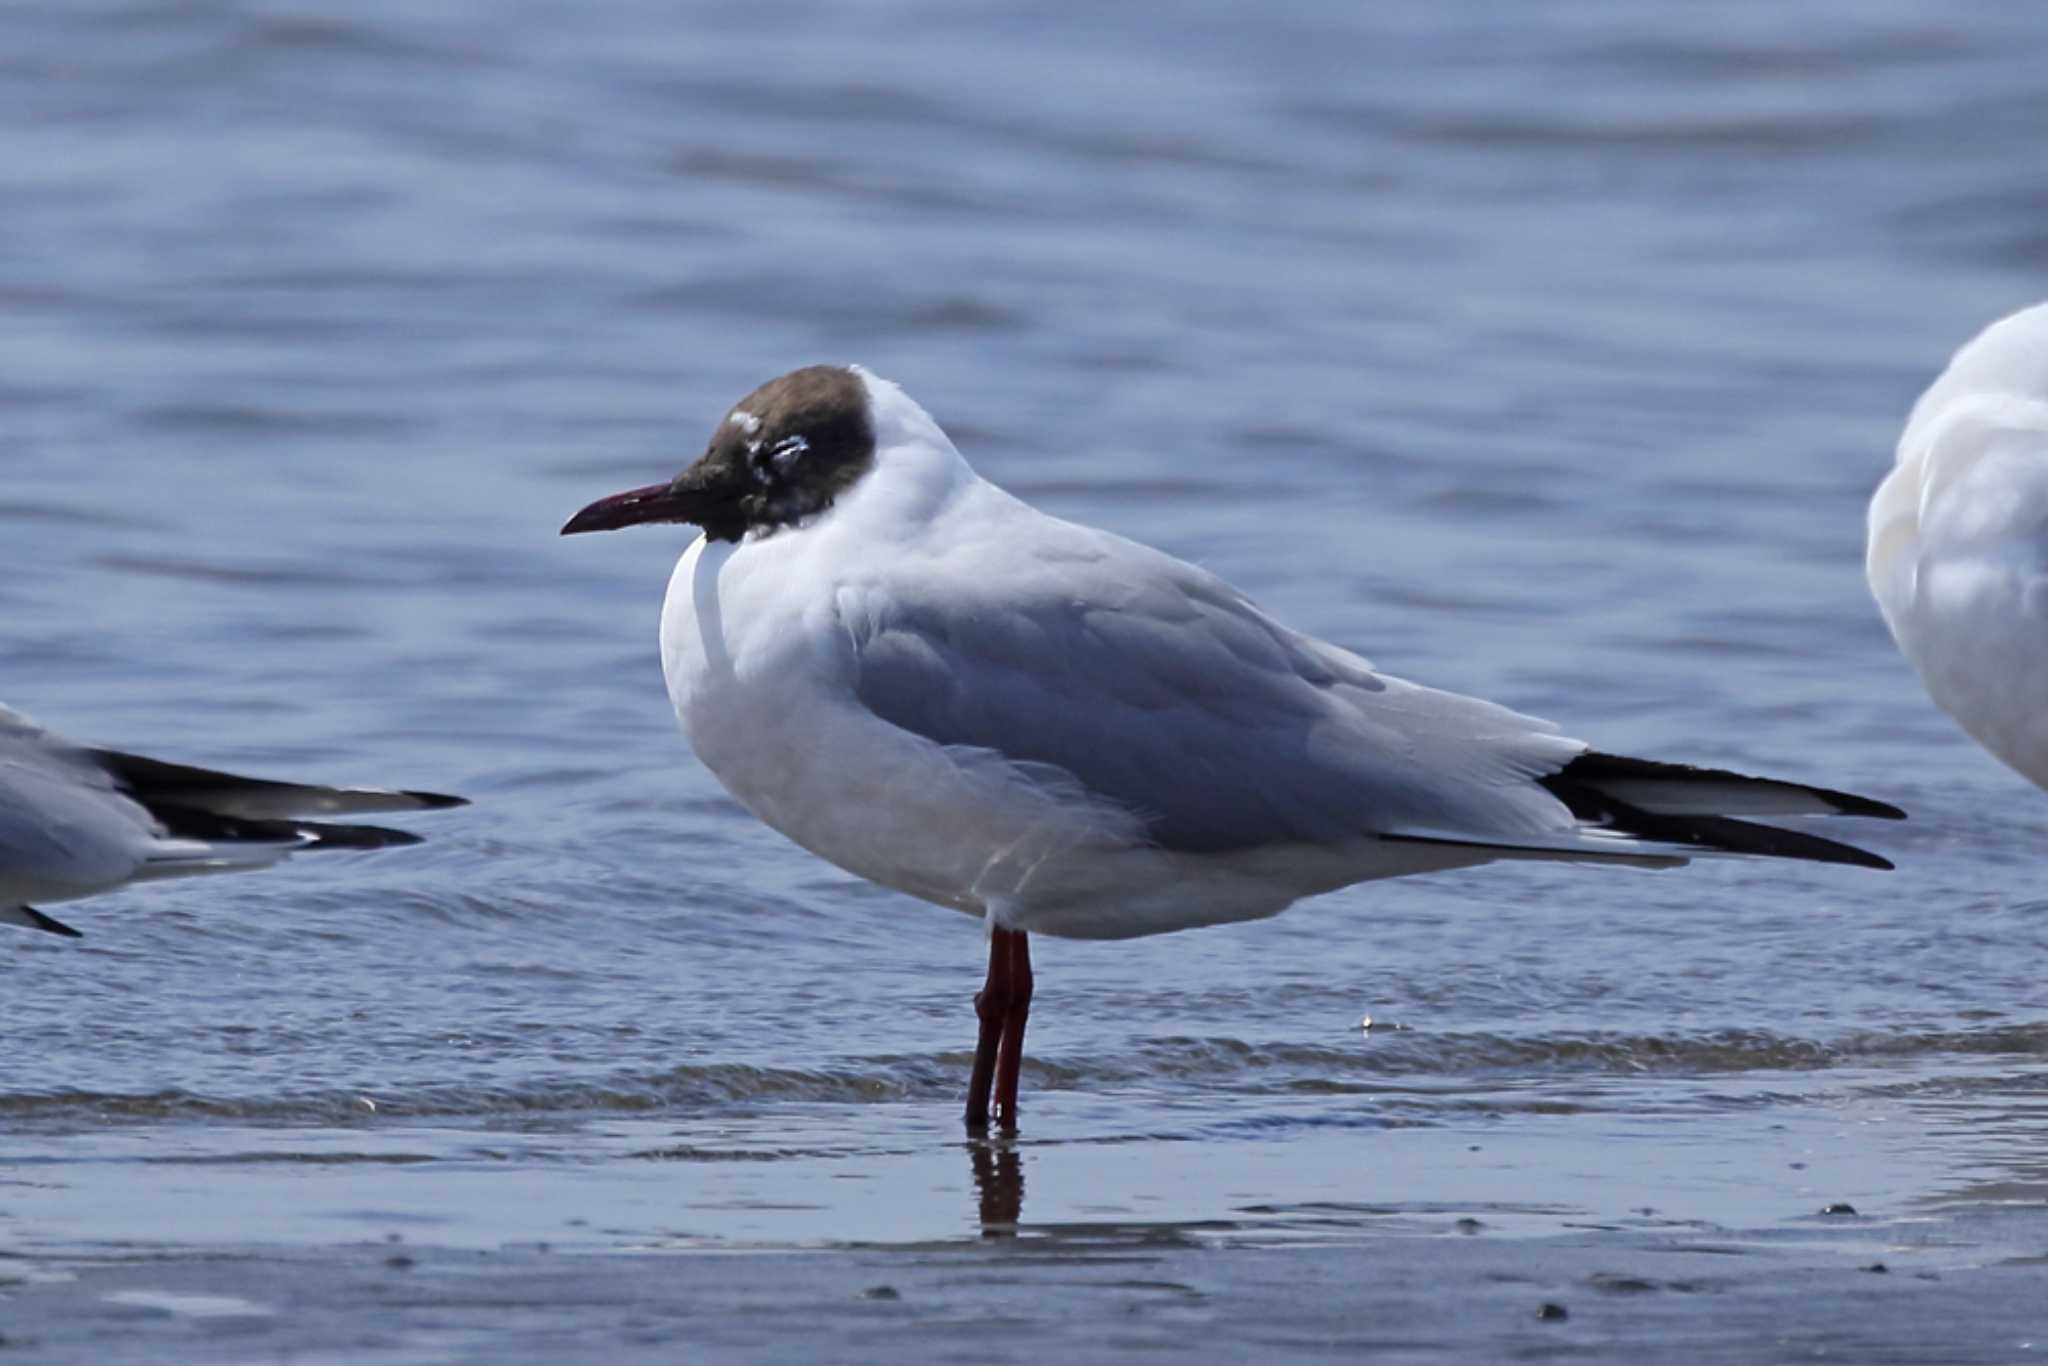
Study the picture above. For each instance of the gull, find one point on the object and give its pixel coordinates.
(939, 688)
(1958, 550)
(76, 821)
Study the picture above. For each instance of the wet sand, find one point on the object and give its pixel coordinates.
(786, 1235)
(1074, 1294)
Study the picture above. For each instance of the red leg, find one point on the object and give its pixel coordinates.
(1010, 1057)
(988, 1006)
(1002, 1005)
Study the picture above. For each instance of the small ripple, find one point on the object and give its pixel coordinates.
(1414, 1053)
(70, 514)
(290, 1159)
(1732, 133)
(826, 177)
(281, 36)
(1489, 501)
(1110, 489)
(1792, 54)
(248, 419)
(1409, 1078)
(272, 575)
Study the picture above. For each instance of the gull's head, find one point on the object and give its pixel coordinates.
(783, 455)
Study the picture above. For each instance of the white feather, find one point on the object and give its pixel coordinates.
(1958, 540)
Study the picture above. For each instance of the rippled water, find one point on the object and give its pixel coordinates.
(1544, 354)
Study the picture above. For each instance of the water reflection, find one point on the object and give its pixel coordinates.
(998, 1185)
(1993, 1128)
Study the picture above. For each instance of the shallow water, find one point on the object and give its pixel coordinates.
(1546, 355)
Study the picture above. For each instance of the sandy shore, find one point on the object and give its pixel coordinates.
(1949, 1290)
(790, 1236)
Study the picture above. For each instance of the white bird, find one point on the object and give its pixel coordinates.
(76, 821)
(1958, 551)
(939, 688)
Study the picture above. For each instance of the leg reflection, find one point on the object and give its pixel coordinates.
(999, 1183)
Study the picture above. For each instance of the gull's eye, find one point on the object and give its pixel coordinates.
(787, 452)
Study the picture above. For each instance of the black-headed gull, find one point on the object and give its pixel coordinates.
(935, 686)
(76, 821)
(1958, 551)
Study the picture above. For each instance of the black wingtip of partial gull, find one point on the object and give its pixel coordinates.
(437, 801)
(49, 923)
(324, 835)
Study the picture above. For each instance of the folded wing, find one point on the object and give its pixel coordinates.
(1161, 689)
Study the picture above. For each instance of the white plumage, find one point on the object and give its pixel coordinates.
(942, 689)
(1958, 540)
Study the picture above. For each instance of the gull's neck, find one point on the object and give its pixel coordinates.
(917, 470)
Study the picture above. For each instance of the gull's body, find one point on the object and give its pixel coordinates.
(847, 683)
(935, 686)
(1958, 550)
(76, 821)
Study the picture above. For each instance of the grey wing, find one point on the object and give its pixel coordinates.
(63, 824)
(1160, 688)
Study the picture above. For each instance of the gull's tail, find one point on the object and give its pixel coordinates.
(153, 782)
(214, 821)
(1659, 815)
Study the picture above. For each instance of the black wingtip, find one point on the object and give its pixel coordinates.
(437, 801)
(1588, 788)
(1730, 836)
(49, 923)
(329, 836)
(193, 823)
(1746, 837)
(1849, 804)
(1595, 767)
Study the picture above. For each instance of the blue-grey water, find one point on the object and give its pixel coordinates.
(1547, 353)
